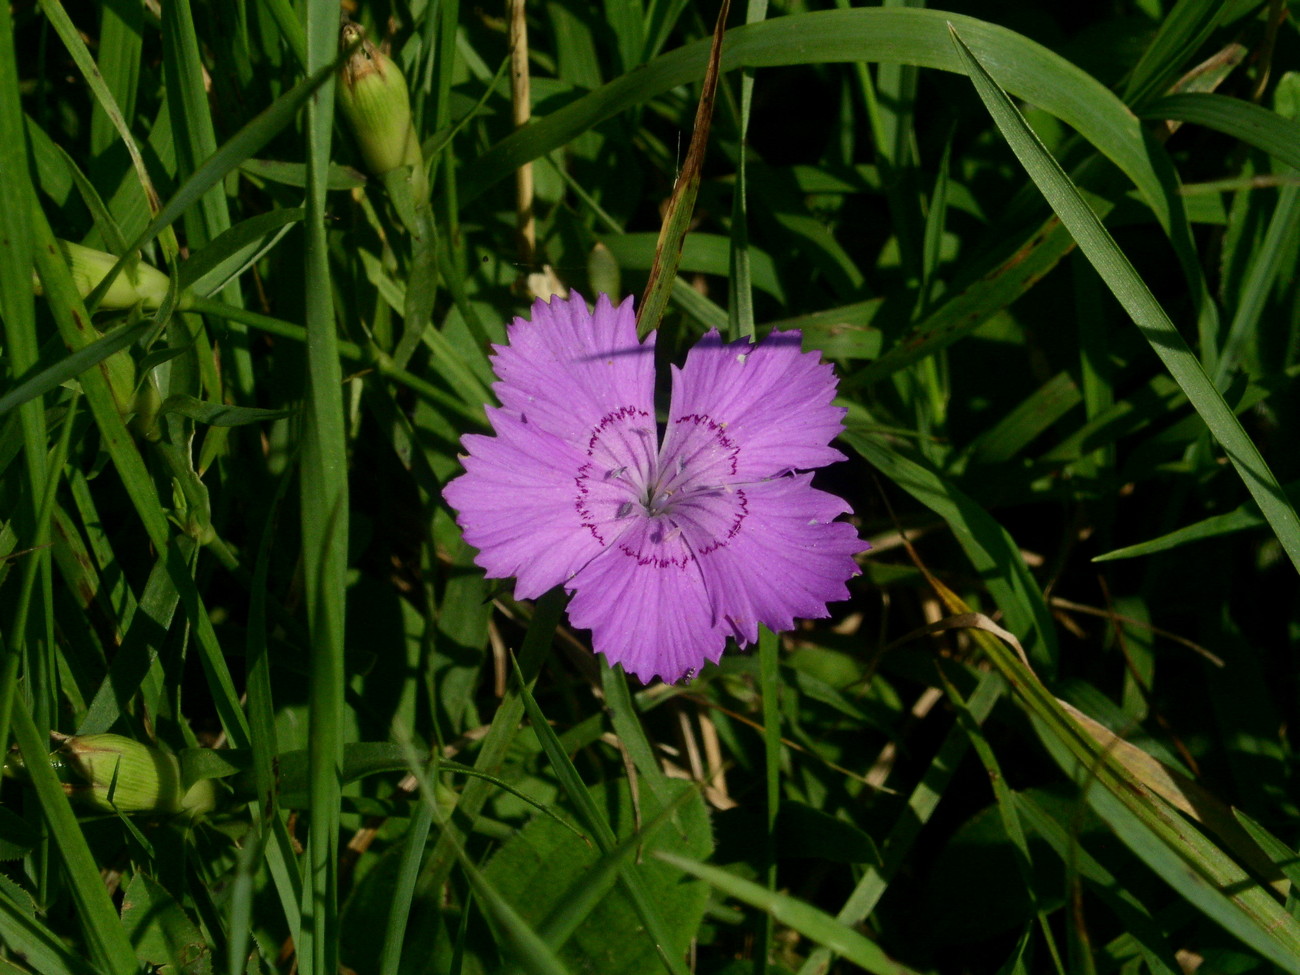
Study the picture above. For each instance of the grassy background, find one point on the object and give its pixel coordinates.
(1051, 730)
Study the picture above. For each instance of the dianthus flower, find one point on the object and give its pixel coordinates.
(668, 548)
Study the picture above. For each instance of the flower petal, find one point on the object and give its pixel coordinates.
(786, 560)
(569, 367)
(757, 410)
(517, 503)
(644, 602)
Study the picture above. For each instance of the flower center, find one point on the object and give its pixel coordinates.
(684, 489)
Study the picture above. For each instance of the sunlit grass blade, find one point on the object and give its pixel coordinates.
(1133, 294)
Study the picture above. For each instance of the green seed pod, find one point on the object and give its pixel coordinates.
(110, 773)
(142, 285)
(373, 97)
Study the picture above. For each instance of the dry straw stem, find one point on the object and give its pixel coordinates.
(521, 112)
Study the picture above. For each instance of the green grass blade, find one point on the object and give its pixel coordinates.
(627, 725)
(594, 821)
(323, 496)
(109, 947)
(505, 725)
(1180, 33)
(83, 360)
(105, 225)
(417, 835)
(26, 937)
(740, 284)
(895, 35)
(1176, 850)
(769, 680)
(532, 953)
(1137, 920)
(582, 897)
(235, 251)
(67, 32)
(804, 918)
(1243, 518)
(191, 117)
(921, 805)
(1141, 305)
(243, 145)
(18, 311)
(121, 39)
(991, 550)
(1270, 268)
(1252, 124)
(136, 655)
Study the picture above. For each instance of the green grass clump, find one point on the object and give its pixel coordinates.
(1049, 251)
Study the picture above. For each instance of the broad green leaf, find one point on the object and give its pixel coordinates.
(648, 908)
(541, 862)
(163, 934)
(804, 918)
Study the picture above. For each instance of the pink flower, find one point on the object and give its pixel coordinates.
(668, 549)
